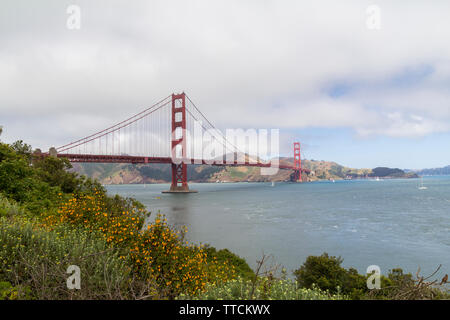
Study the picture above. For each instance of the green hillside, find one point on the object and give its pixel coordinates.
(160, 173)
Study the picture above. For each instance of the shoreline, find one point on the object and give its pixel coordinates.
(290, 182)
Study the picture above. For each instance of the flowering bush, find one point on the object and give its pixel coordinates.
(156, 251)
(265, 289)
(92, 212)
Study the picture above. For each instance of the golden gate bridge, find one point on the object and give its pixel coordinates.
(162, 134)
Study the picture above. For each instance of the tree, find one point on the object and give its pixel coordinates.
(54, 172)
(22, 149)
(16, 178)
(7, 153)
(326, 273)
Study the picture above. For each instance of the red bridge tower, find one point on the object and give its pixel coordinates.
(297, 162)
(179, 166)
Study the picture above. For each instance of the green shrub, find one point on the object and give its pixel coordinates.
(266, 289)
(326, 272)
(19, 181)
(400, 286)
(16, 179)
(38, 259)
(53, 171)
(241, 266)
(9, 208)
(10, 292)
(38, 183)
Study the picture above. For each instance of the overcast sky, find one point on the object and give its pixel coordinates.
(359, 96)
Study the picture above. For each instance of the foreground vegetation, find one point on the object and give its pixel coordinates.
(326, 273)
(51, 219)
(266, 288)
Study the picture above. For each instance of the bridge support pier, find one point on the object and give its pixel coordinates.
(179, 179)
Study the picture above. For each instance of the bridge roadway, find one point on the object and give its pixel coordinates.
(168, 160)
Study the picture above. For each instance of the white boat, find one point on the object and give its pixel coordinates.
(422, 187)
(273, 183)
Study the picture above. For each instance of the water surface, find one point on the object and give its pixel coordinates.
(389, 223)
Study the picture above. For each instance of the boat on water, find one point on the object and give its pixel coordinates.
(421, 186)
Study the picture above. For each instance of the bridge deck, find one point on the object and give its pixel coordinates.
(85, 158)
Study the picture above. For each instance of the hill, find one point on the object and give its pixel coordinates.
(161, 173)
(383, 172)
(434, 171)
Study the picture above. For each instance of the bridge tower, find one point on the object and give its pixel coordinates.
(297, 162)
(178, 146)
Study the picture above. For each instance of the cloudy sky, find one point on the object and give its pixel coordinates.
(318, 70)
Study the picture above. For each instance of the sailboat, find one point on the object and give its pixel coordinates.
(422, 187)
(273, 183)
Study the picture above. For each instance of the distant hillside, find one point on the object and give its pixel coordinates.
(434, 171)
(325, 170)
(384, 172)
(161, 173)
(129, 174)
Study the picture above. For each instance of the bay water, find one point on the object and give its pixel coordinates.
(389, 223)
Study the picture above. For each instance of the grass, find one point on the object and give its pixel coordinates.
(35, 261)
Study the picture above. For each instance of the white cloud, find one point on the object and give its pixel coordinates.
(245, 63)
